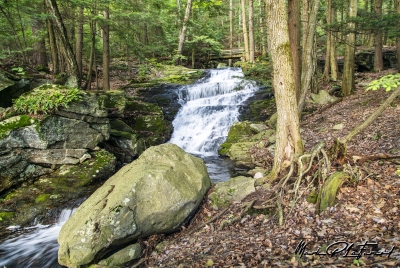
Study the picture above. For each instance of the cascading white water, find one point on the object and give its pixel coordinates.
(208, 110)
(36, 247)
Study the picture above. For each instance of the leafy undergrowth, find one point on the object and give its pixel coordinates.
(367, 210)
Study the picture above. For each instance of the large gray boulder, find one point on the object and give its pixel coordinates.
(155, 194)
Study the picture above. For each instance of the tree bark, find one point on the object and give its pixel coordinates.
(182, 35)
(74, 79)
(106, 50)
(333, 56)
(79, 40)
(294, 35)
(348, 70)
(53, 47)
(327, 66)
(39, 48)
(378, 57)
(245, 31)
(288, 141)
(397, 3)
(309, 59)
(230, 29)
(251, 32)
(262, 27)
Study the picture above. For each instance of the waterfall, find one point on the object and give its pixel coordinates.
(209, 108)
(36, 247)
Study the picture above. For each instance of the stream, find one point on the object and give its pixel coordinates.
(209, 108)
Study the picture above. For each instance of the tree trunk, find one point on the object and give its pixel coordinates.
(288, 141)
(106, 50)
(88, 83)
(294, 35)
(74, 80)
(251, 32)
(230, 30)
(378, 57)
(397, 3)
(348, 70)
(53, 47)
(309, 60)
(79, 40)
(327, 66)
(333, 56)
(39, 49)
(245, 32)
(262, 27)
(182, 35)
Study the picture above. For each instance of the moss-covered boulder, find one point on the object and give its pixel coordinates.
(240, 154)
(11, 87)
(232, 190)
(239, 131)
(147, 120)
(155, 194)
(122, 257)
(323, 97)
(57, 187)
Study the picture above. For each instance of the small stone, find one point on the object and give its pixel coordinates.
(258, 175)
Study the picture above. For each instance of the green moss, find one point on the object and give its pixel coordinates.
(42, 198)
(6, 216)
(143, 107)
(12, 123)
(312, 197)
(327, 195)
(238, 132)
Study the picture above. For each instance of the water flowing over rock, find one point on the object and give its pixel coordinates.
(156, 193)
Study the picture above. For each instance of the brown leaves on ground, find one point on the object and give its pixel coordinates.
(366, 210)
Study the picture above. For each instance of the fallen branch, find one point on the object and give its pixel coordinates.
(201, 226)
(246, 206)
(361, 159)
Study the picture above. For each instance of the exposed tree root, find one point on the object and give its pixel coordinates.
(361, 159)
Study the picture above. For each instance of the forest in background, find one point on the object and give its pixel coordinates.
(77, 37)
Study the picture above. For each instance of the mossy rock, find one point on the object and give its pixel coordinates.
(232, 190)
(67, 183)
(143, 107)
(258, 106)
(264, 135)
(6, 216)
(113, 99)
(6, 126)
(239, 131)
(239, 153)
(327, 195)
(42, 198)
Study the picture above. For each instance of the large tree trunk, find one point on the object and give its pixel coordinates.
(53, 47)
(378, 57)
(288, 141)
(327, 66)
(39, 49)
(79, 40)
(262, 27)
(309, 59)
(245, 31)
(333, 56)
(397, 3)
(182, 35)
(251, 32)
(294, 35)
(74, 79)
(348, 70)
(106, 50)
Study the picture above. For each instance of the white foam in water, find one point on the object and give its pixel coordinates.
(209, 108)
(36, 248)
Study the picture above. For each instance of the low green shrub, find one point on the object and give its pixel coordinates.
(46, 99)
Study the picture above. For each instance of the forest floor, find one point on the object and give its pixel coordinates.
(366, 212)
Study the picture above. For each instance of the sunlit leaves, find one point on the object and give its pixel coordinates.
(388, 82)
